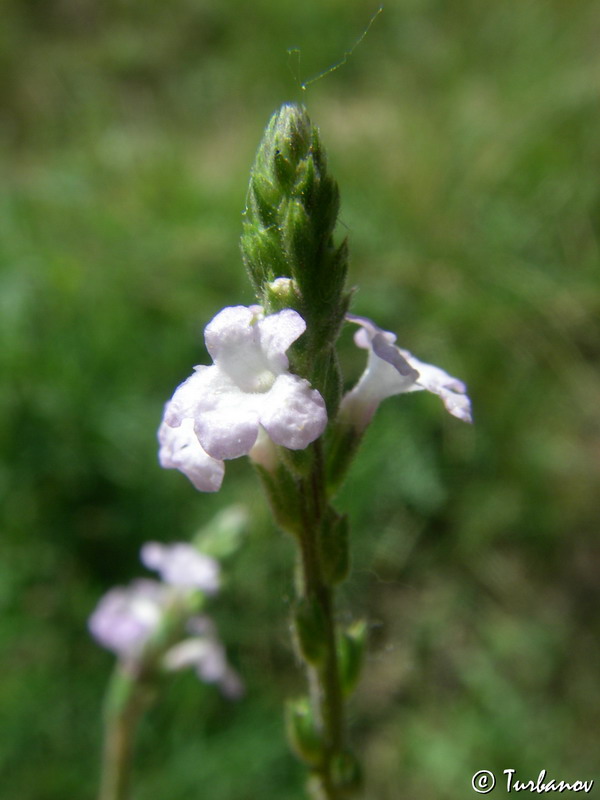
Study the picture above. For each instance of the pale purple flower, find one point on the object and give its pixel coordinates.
(247, 388)
(390, 371)
(206, 654)
(182, 565)
(127, 616)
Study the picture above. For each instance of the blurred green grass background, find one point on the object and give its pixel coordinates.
(466, 141)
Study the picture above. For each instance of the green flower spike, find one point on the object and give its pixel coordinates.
(292, 208)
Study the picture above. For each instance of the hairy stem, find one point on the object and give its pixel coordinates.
(324, 679)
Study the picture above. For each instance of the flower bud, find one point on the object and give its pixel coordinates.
(351, 653)
(346, 773)
(302, 732)
(282, 293)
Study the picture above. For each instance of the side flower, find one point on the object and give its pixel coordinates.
(218, 412)
(155, 624)
(390, 371)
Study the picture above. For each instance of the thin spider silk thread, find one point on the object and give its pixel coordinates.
(297, 53)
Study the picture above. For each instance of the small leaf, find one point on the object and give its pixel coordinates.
(302, 732)
(282, 495)
(346, 773)
(351, 653)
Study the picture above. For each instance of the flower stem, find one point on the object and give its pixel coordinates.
(125, 703)
(324, 677)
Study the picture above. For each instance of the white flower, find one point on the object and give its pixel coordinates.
(182, 565)
(391, 371)
(248, 387)
(180, 449)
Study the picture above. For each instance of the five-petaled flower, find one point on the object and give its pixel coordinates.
(218, 411)
(391, 371)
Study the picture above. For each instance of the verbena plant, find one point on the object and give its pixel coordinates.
(274, 394)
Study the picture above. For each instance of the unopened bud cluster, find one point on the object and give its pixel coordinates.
(291, 212)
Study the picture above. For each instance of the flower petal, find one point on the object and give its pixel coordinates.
(185, 398)
(292, 413)
(230, 330)
(233, 338)
(207, 655)
(388, 352)
(452, 390)
(368, 329)
(180, 449)
(228, 431)
(181, 564)
(277, 332)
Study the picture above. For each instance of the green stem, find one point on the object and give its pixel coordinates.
(324, 679)
(125, 703)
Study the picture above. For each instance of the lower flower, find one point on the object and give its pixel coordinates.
(154, 623)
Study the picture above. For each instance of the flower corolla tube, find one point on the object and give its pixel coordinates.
(218, 411)
(390, 371)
